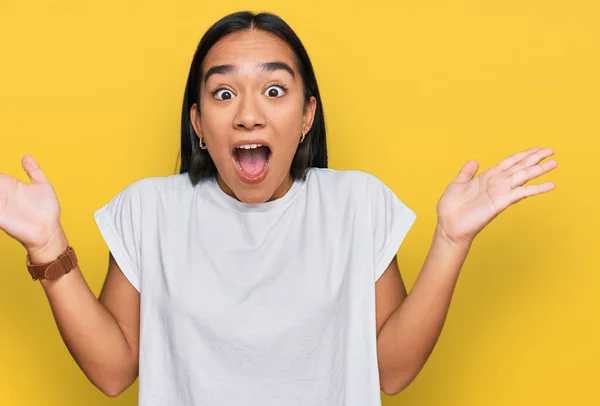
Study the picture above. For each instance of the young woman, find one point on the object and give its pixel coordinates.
(257, 276)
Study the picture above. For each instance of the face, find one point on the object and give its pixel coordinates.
(252, 113)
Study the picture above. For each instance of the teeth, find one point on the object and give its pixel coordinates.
(250, 146)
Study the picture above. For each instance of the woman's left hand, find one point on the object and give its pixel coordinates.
(471, 202)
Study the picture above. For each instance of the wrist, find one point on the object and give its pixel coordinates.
(444, 239)
(56, 245)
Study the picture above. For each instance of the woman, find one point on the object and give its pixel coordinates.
(257, 275)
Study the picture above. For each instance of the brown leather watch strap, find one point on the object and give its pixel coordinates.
(55, 269)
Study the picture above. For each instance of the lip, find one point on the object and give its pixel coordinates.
(244, 177)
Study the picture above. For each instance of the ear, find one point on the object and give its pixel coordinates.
(309, 113)
(195, 119)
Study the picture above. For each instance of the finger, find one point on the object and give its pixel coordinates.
(532, 159)
(522, 192)
(526, 174)
(511, 161)
(467, 172)
(33, 170)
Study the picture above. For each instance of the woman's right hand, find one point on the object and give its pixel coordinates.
(30, 212)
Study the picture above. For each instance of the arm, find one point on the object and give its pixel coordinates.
(408, 326)
(101, 334)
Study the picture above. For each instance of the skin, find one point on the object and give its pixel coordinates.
(244, 112)
(102, 333)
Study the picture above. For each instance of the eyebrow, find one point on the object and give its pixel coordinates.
(273, 66)
(267, 67)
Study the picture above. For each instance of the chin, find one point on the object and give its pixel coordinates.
(245, 192)
(255, 194)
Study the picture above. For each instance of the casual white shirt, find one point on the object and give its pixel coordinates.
(257, 305)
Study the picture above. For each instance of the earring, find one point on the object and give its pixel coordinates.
(202, 144)
(304, 131)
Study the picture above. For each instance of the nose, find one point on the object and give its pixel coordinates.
(249, 114)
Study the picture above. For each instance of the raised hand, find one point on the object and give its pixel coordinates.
(29, 213)
(471, 202)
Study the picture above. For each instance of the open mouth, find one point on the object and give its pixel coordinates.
(252, 161)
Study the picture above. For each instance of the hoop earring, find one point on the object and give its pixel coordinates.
(202, 145)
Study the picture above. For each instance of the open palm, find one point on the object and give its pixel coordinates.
(29, 212)
(471, 202)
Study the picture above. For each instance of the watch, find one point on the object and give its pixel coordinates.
(55, 269)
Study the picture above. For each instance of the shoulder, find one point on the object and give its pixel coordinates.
(353, 188)
(340, 180)
(150, 191)
(159, 186)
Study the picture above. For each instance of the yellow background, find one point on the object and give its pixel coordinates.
(411, 90)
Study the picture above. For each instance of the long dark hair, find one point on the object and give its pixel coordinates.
(311, 153)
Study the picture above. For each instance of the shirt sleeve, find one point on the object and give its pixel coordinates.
(119, 222)
(391, 221)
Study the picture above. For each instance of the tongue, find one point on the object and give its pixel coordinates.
(252, 161)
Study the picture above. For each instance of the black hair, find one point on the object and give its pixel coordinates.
(310, 153)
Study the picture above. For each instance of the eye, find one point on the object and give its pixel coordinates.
(275, 91)
(224, 94)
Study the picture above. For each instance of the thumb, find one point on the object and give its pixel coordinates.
(33, 170)
(467, 172)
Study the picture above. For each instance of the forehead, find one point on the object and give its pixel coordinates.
(250, 47)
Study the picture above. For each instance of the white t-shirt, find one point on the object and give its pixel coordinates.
(257, 305)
